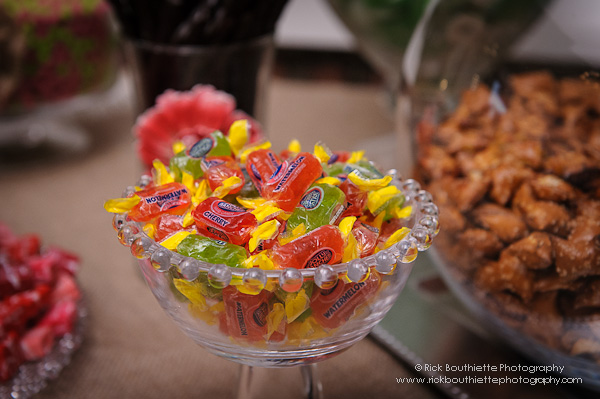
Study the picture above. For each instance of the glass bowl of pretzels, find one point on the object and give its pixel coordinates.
(511, 154)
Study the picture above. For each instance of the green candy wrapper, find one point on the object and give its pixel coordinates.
(212, 251)
(189, 160)
(322, 204)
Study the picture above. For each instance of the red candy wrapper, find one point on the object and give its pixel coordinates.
(289, 183)
(356, 199)
(246, 314)
(324, 245)
(173, 198)
(366, 237)
(224, 221)
(220, 168)
(261, 165)
(332, 307)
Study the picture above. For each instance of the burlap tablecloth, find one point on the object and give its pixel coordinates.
(131, 348)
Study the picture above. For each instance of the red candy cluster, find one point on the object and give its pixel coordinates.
(38, 296)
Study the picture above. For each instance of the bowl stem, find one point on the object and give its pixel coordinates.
(244, 382)
(313, 388)
(312, 383)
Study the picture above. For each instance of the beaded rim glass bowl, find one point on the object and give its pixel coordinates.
(385, 272)
(425, 228)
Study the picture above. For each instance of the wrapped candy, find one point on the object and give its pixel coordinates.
(287, 186)
(321, 204)
(223, 174)
(244, 206)
(224, 221)
(145, 205)
(212, 251)
(324, 245)
(261, 165)
(332, 307)
(189, 160)
(246, 315)
(356, 199)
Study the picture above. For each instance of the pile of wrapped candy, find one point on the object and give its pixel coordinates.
(38, 299)
(225, 201)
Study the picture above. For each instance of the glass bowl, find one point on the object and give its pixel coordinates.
(32, 377)
(288, 317)
(506, 135)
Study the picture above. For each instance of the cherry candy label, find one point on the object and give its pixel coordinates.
(226, 209)
(312, 198)
(215, 218)
(320, 257)
(201, 148)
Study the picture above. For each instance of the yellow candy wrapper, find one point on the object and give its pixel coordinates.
(296, 304)
(202, 192)
(377, 222)
(260, 260)
(322, 153)
(188, 181)
(356, 156)
(120, 205)
(309, 329)
(149, 229)
(250, 203)
(396, 237)
(160, 173)
(402, 213)
(266, 210)
(366, 184)
(206, 315)
(294, 146)
(192, 291)
(173, 241)
(229, 184)
(188, 219)
(265, 145)
(292, 235)
(275, 320)
(263, 232)
(238, 135)
(377, 200)
(211, 315)
(351, 250)
(346, 225)
(177, 147)
(334, 181)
